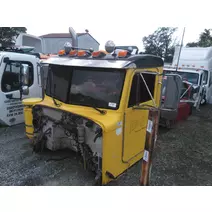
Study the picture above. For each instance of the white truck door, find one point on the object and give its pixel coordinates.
(10, 88)
(209, 93)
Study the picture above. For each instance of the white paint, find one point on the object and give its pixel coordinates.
(146, 155)
(111, 104)
(149, 126)
(118, 131)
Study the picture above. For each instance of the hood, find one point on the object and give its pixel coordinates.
(108, 122)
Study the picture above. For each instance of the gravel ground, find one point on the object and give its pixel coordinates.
(183, 156)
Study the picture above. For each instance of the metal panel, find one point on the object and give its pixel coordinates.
(87, 62)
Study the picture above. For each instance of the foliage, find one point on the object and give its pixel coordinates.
(205, 40)
(161, 43)
(8, 35)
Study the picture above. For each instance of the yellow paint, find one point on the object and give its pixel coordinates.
(122, 147)
(28, 103)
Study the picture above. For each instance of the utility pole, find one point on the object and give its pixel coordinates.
(181, 45)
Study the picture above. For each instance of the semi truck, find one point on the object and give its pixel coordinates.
(195, 65)
(103, 106)
(12, 62)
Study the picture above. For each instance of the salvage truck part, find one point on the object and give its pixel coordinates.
(14, 61)
(98, 105)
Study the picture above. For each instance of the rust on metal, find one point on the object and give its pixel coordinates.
(151, 137)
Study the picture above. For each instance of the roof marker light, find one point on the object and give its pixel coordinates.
(81, 53)
(98, 54)
(61, 52)
(123, 53)
(73, 53)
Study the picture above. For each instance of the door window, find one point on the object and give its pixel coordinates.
(11, 76)
(139, 92)
(205, 78)
(201, 83)
(210, 79)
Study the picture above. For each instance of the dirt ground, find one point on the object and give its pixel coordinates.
(183, 156)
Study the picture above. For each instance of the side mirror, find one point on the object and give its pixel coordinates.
(24, 75)
(171, 91)
(24, 79)
(25, 90)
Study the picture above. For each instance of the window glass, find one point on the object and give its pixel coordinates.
(58, 82)
(139, 92)
(92, 87)
(11, 76)
(98, 88)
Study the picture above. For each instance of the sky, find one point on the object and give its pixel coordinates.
(124, 22)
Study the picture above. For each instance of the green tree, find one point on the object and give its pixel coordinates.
(205, 40)
(8, 35)
(161, 43)
(192, 44)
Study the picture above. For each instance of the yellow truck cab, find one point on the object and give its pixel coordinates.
(99, 105)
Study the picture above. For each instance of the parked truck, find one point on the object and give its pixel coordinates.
(103, 106)
(13, 61)
(195, 64)
(52, 43)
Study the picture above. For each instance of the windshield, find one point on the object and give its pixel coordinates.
(190, 77)
(92, 87)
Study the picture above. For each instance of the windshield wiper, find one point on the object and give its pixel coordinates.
(103, 112)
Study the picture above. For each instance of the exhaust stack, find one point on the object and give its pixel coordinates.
(74, 37)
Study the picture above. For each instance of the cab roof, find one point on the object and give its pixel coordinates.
(17, 55)
(191, 70)
(109, 61)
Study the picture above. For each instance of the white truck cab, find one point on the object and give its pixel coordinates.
(195, 60)
(11, 65)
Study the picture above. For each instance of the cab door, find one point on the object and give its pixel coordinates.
(209, 97)
(208, 83)
(10, 89)
(203, 88)
(136, 120)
